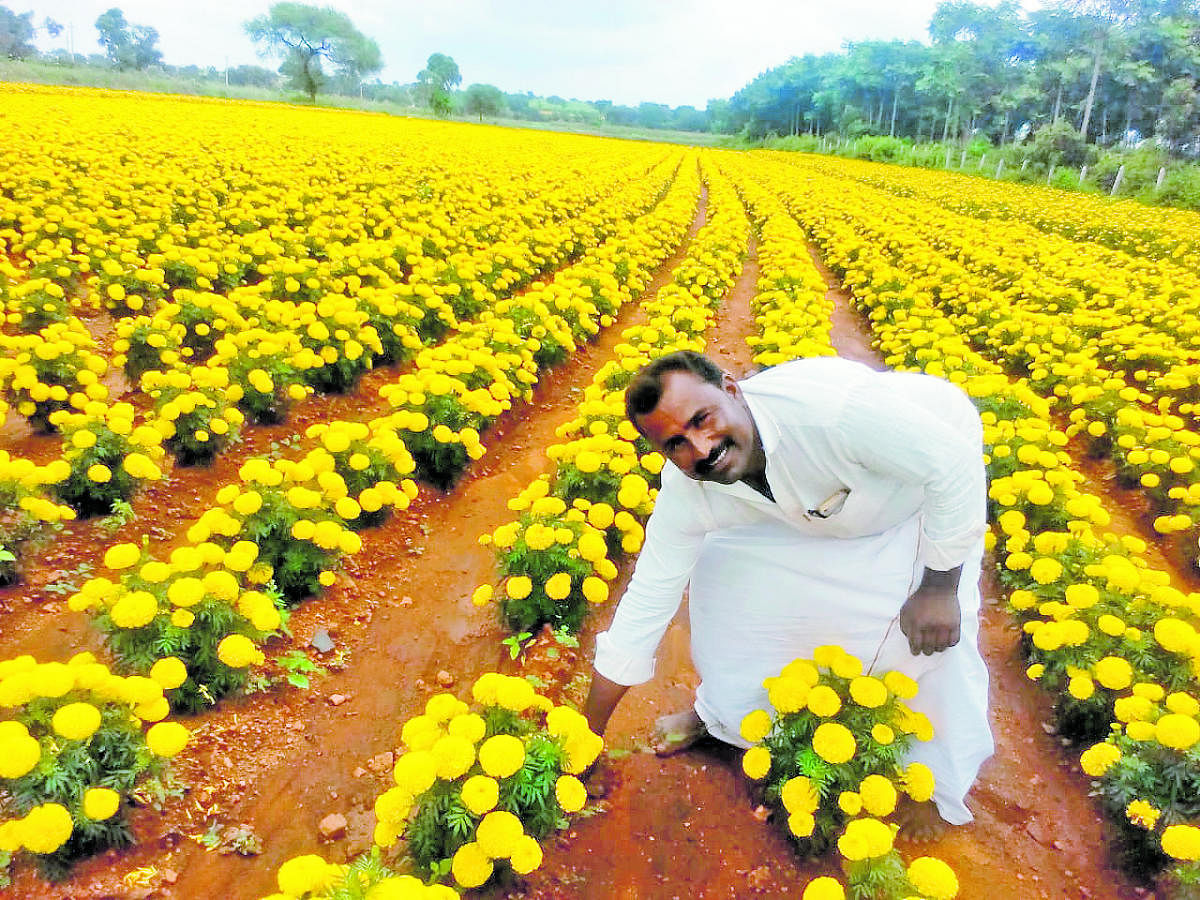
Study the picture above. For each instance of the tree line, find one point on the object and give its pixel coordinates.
(1114, 70)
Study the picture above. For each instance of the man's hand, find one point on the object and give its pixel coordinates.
(931, 617)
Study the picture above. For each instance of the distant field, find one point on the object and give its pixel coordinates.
(315, 482)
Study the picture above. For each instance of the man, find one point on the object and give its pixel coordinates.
(818, 502)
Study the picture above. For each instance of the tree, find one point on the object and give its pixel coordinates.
(484, 99)
(16, 32)
(127, 46)
(305, 36)
(435, 81)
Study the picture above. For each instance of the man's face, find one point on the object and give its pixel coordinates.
(705, 430)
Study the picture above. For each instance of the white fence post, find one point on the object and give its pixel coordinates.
(947, 160)
(1050, 174)
(1162, 174)
(982, 159)
(1024, 164)
(999, 167)
(962, 159)
(1117, 181)
(1082, 174)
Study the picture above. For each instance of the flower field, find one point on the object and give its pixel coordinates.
(315, 488)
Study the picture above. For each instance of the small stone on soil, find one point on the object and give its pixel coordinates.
(321, 641)
(381, 762)
(333, 827)
(337, 699)
(444, 678)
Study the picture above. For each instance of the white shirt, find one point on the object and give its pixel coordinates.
(874, 448)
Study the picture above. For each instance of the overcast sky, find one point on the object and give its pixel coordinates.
(666, 51)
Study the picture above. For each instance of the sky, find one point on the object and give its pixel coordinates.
(678, 52)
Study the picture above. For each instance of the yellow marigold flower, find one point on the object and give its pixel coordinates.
(518, 587)
(99, 473)
(865, 839)
(501, 755)
(1182, 842)
(570, 793)
(170, 672)
(918, 782)
(237, 651)
(1142, 814)
(306, 874)
(883, 734)
(1183, 703)
(471, 866)
(901, 685)
(1081, 596)
(19, 751)
(498, 834)
(868, 692)
(46, 828)
(134, 610)
(482, 595)
(1114, 673)
(595, 590)
(1081, 687)
(801, 824)
(878, 795)
(756, 725)
(850, 802)
(834, 742)
(526, 855)
(468, 726)
(185, 592)
(1176, 731)
(182, 618)
(415, 772)
(824, 701)
(558, 586)
(122, 556)
(756, 763)
(76, 721)
(100, 804)
(515, 694)
(1097, 759)
(933, 878)
(824, 888)
(1045, 570)
(799, 795)
(166, 739)
(453, 756)
(480, 794)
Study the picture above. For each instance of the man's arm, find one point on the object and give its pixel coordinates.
(931, 617)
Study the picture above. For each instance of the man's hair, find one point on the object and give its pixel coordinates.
(644, 392)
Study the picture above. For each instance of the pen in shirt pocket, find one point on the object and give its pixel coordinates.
(831, 504)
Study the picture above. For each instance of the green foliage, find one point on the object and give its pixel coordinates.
(114, 757)
(483, 100)
(127, 46)
(297, 667)
(308, 36)
(435, 81)
(16, 34)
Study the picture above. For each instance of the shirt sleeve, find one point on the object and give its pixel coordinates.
(884, 431)
(674, 534)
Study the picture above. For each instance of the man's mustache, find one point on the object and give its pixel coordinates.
(704, 466)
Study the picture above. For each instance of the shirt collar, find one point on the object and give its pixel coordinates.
(768, 430)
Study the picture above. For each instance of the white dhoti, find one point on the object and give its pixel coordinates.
(762, 595)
